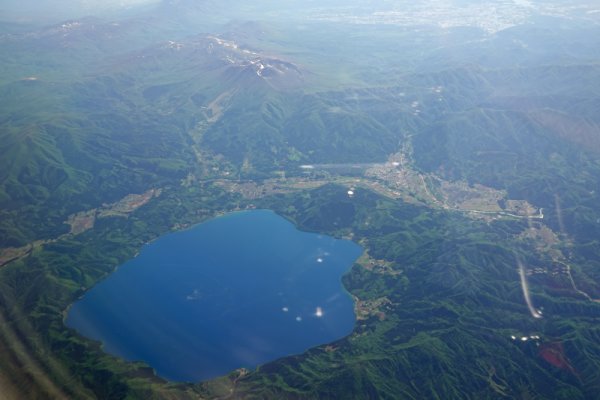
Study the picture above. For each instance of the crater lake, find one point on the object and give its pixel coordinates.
(236, 291)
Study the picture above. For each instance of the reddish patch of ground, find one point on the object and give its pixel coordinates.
(554, 354)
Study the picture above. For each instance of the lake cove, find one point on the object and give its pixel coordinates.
(235, 291)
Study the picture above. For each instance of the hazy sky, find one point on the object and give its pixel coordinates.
(48, 10)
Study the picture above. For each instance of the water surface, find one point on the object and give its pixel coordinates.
(236, 291)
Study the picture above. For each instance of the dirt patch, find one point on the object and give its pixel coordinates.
(554, 354)
(12, 253)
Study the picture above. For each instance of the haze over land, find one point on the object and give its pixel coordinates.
(458, 142)
(49, 11)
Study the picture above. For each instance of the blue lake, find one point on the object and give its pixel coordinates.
(236, 291)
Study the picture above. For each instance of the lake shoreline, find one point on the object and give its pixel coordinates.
(262, 238)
